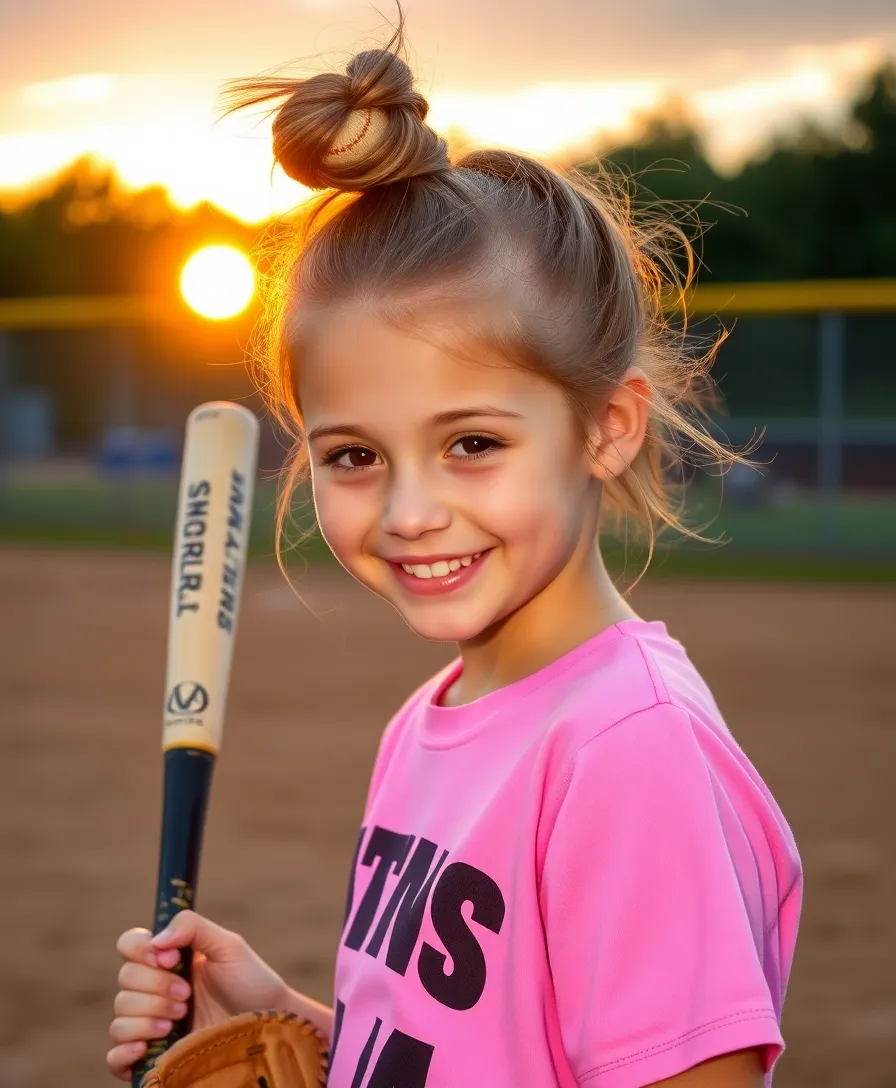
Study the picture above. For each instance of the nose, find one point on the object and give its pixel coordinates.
(414, 506)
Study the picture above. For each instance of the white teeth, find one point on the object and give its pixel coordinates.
(440, 569)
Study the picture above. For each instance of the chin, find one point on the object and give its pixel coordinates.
(441, 628)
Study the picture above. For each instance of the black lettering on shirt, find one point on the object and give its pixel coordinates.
(409, 900)
(364, 1060)
(403, 1063)
(350, 892)
(459, 884)
(390, 850)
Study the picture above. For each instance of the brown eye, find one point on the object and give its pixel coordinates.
(475, 445)
(349, 458)
(358, 457)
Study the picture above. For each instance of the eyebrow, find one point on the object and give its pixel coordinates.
(483, 411)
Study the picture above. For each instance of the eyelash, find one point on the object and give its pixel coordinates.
(330, 459)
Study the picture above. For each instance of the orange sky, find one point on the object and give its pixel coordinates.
(140, 91)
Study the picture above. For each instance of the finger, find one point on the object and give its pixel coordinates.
(129, 1003)
(121, 1058)
(187, 929)
(132, 1029)
(152, 980)
(168, 958)
(135, 945)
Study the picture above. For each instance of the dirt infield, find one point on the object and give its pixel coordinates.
(805, 677)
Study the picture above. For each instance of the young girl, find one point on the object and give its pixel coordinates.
(568, 872)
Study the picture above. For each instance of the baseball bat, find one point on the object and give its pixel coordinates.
(214, 507)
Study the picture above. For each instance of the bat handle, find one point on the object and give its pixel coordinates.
(188, 778)
(157, 1047)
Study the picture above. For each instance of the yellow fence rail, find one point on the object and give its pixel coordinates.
(734, 299)
(795, 297)
(89, 311)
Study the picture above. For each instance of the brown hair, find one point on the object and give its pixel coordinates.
(590, 280)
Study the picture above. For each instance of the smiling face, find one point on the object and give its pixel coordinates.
(456, 489)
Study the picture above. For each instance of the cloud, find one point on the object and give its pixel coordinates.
(544, 118)
(460, 44)
(80, 90)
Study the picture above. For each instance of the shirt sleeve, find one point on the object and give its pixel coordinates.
(655, 961)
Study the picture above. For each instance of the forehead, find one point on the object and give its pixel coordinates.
(360, 367)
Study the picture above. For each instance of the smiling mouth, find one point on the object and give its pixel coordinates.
(440, 569)
(439, 576)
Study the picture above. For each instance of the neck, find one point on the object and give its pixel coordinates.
(579, 603)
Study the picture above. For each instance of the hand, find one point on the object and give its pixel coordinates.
(227, 978)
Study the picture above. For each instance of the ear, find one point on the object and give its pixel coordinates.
(618, 428)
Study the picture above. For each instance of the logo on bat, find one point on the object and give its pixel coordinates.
(187, 697)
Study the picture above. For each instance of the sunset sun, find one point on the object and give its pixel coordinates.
(218, 282)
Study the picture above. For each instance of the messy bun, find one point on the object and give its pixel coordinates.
(350, 131)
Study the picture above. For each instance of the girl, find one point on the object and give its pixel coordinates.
(568, 871)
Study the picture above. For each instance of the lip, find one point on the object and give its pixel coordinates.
(436, 586)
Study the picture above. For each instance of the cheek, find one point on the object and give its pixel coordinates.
(343, 517)
(536, 504)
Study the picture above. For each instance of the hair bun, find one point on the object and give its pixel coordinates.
(363, 130)
(355, 130)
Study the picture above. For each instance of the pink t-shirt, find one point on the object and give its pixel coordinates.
(579, 879)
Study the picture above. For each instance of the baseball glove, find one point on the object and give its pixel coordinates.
(254, 1050)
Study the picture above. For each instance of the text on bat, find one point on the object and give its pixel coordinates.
(230, 572)
(192, 548)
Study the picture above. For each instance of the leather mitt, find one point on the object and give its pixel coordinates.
(253, 1050)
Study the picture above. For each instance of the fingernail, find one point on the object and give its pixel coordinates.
(180, 989)
(164, 1026)
(179, 1010)
(138, 1046)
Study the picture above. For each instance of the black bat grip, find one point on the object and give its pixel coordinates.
(187, 785)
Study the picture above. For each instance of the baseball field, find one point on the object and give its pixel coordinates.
(803, 673)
